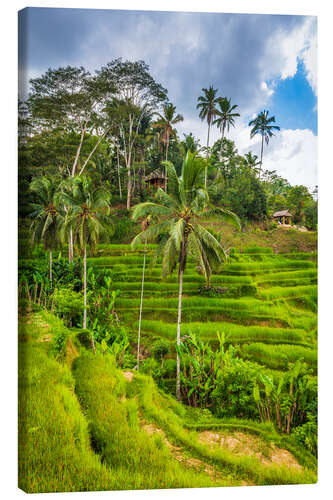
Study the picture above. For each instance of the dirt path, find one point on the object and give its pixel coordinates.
(179, 454)
(244, 444)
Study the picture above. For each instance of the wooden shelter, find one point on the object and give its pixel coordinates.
(282, 216)
(155, 179)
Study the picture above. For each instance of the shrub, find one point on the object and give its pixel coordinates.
(307, 435)
(68, 305)
(160, 349)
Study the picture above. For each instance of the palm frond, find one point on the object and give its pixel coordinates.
(152, 233)
(147, 208)
(225, 215)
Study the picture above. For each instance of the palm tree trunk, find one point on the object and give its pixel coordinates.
(141, 302)
(262, 150)
(50, 268)
(207, 154)
(182, 261)
(166, 159)
(180, 293)
(85, 297)
(85, 287)
(70, 246)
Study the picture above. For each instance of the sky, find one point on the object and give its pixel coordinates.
(259, 61)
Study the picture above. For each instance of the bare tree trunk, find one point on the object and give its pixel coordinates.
(119, 181)
(50, 269)
(78, 151)
(93, 150)
(129, 188)
(262, 150)
(141, 302)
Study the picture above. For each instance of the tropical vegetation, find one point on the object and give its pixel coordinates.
(167, 334)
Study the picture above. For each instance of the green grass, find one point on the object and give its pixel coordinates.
(100, 445)
(54, 452)
(116, 432)
(134, 274)
(287, 292)
(155, 408)
(278, 357)
(234, 333)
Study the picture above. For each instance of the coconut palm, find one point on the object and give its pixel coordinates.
(207, 105)
(144, 226)
(190, 143)
(262, 126)
(178, 230)
(166, 123)
(226, 116)
(46, 215)
(87, 217)
(251, 160)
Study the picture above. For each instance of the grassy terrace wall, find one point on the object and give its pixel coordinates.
(263, 301)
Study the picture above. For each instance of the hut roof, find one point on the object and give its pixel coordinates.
(281, 213)
(156, 174)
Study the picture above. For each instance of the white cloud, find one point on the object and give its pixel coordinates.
(284, 49)
(264, 87)
(292, 153)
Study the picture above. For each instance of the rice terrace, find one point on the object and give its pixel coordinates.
(167, 288)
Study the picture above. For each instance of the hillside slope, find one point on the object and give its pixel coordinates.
(86, 425)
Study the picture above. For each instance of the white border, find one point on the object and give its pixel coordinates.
(8, 258)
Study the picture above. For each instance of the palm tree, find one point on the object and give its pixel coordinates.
(190, 143)
(261, 125)
(144, 226)
(225, 114)
(251, 160)
(87, 217)
(178, 229)
(166, 123)
(46, 215)
(207, 106)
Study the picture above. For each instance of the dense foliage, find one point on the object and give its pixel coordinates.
(231, 333)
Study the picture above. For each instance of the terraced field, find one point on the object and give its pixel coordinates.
(86, 425)
(264, 302)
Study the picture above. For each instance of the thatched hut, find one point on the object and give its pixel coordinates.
(282, 216)
(155, 179)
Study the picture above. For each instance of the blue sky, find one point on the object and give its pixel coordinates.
(259, 61)
(294, 102)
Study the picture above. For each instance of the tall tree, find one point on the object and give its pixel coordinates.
(137, 93)
(144, 225)
(251, 160)
(166, 123)
(226, 115)
(87, 217)
(207, 105)
(262, 125)
(190, 143)
(178, 228)
(71, 99)
(46, 216)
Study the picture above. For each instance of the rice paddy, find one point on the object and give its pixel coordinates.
(263, 301)
(88, 428)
